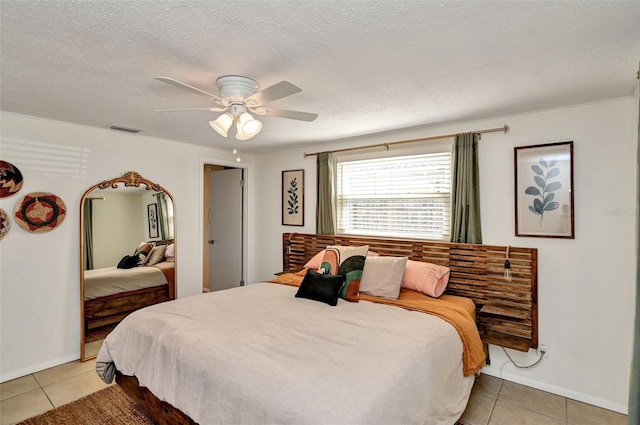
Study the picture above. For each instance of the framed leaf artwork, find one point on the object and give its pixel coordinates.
(293, 198)
(152, 219)
(544, 190)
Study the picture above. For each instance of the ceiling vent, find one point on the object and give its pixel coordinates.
(127, 129)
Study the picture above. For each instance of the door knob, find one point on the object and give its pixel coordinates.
(210, 241)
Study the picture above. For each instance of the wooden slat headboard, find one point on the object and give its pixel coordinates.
(163, 242)
(507, 312)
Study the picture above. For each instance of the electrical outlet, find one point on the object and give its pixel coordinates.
(544, 346)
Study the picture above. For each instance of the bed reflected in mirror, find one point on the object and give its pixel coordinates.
(127, 249)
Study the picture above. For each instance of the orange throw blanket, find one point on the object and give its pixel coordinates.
(473, 358)
(169, 273)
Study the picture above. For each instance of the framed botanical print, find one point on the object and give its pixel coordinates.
(293, 198)
(152, 213)
(544, 190)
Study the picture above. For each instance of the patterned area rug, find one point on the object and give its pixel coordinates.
(109, 406)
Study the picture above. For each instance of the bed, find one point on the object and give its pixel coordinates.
(112, 280)
(111, 293)
(258, 354)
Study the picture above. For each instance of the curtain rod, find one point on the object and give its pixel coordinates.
(504, 129)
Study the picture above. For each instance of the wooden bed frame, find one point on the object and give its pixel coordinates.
(113, 308)
(161, 411)
(506, 311)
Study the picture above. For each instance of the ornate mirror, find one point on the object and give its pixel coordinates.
(127, 254)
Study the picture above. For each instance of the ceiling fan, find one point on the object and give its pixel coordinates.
(237, 96)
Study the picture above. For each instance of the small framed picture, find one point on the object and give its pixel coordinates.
(544, 190)
(293, 198)
(152, 216)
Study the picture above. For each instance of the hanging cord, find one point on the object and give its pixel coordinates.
(507, 266)
(523, 366)
(291, 236)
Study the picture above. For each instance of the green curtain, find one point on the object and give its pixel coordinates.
(88, 234)
(325, 211)
(465, 190)
(634, 393)
(163, 222)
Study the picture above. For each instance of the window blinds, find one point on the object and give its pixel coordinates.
(407, 196)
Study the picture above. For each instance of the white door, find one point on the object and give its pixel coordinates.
(226, 229)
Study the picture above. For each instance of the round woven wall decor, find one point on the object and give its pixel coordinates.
(39, 212)
(10, 179)
(5, 223)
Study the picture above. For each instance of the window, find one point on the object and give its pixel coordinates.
(404, 196)
(170, 224)
(165, 205)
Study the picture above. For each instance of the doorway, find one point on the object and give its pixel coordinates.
(223, 227)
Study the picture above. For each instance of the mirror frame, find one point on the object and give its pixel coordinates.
(129, 179)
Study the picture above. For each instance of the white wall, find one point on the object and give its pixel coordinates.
(586, 285)
(118, 227)
(39, 290)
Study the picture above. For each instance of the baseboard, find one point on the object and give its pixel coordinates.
(564, 392)
(37, 368)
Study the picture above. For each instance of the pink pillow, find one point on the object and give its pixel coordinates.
(316, 261)
(427, 278)
(170, 251)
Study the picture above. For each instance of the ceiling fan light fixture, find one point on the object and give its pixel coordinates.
(247, 127)
(222, 124)
(237, 94)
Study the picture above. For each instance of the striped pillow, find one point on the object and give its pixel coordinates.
(349, 261)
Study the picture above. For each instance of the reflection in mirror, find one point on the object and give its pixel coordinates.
(127, 248)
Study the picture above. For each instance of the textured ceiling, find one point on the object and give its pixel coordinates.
(364, 67)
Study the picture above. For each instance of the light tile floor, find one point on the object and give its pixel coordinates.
(497, 402)
(493, 401)
(34, 394)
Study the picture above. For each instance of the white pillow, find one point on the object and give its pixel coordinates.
(382, 276)
(156, 255)
(170, 252)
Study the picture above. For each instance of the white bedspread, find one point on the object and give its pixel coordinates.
(257, 355)
(112, 280)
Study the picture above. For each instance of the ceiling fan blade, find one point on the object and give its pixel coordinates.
(283, 113)
(182, 85)
(275, 92)
(192, 109)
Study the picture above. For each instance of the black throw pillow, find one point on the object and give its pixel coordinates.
(321, 287)
(128, 262)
